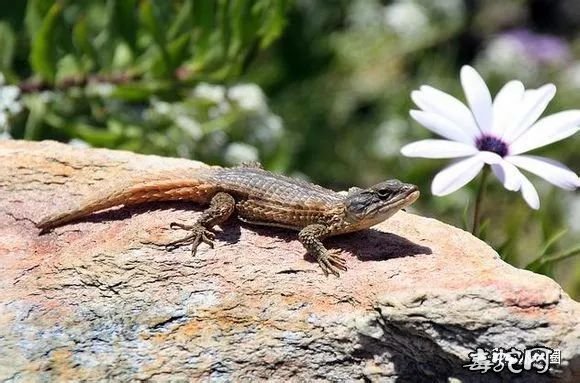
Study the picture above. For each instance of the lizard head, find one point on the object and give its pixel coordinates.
(367, 207)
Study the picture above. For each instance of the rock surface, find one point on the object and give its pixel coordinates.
(101, 299)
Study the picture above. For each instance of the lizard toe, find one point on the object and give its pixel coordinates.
(199, 234)
(338, 262)
(327, 264)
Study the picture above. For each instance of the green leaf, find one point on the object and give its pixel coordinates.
(125, 21)
(43, 54)
(241, 25)
(152, 14)
(273, 14)
(7, 42)
(138, 92)
(106, 41)
(35, 14)
(505, 249)
(183, 22)
(34, 122)
(178, 48)
(544, 264)
(204, 22)
(465, 217)
(562, 255)
(552, 241)
(82, 41)
(483, 228)
(96, 135)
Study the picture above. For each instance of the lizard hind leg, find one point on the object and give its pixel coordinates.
(221, 207)
(310, 237)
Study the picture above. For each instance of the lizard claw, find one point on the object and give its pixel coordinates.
(201, 234)
(198, 235)
(331, 263)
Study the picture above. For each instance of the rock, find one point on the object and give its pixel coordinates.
(101, 298)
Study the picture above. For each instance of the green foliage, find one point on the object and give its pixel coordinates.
(95, 69)
(203, 38)
(546, 261)
(7, 42)
(44, 27)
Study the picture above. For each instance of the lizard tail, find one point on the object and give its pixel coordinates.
(148, 191)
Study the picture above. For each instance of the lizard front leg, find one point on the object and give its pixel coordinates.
(221, 207)
(310, 237)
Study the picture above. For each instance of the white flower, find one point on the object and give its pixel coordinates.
(78, 143)
(3, 119)
(100, 89)
(453, 10)
(407, 19)
(5, 136)
(363, 14)
(9, 103)
(267, 131)
(249, 97)
(238, 152)
(493, 132)
(189, 125)
(505, 56)
(47, 96)
(213, 93)
(161, 107)
(8, 99)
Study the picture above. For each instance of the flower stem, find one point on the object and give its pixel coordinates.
(478, 199)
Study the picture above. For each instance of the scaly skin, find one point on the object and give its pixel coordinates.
(258, 197)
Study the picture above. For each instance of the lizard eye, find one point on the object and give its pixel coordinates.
(384, 193)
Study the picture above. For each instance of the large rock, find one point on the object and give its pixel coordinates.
(101, 299)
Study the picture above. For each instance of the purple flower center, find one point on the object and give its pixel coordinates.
(492, 144)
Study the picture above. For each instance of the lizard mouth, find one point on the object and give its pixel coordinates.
(407, 197)
(402, 200)
(412, 197)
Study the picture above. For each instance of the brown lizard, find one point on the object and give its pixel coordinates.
(258, 197)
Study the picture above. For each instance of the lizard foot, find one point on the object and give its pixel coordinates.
(331, 263)
(198, 235)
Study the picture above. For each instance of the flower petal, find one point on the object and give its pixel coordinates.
(533, 105)
(438, 149)
(503, 105)
(457, 175)
(529, 193)
(435, 101)
(478, 97)
(548, 130)
(441, 126)
(508, 175)
(490, 157)
(550, 170)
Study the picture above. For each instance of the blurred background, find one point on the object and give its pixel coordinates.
(313, 89)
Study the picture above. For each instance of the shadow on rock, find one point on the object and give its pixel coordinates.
(367, 245)
(374, 245)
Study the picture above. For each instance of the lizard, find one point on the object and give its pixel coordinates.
(258, 197)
